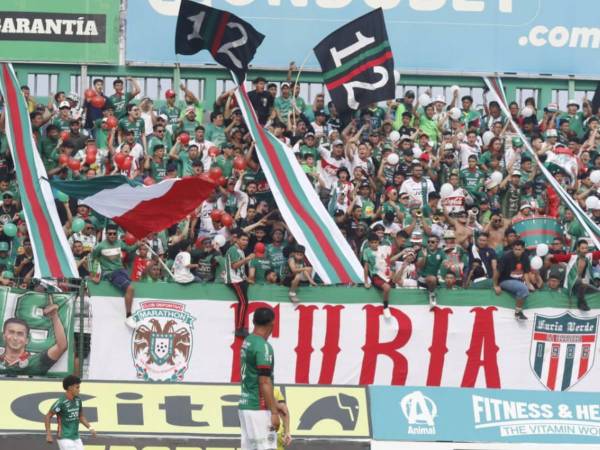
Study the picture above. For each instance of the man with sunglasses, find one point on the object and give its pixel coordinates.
(108, 254)
(429, 262)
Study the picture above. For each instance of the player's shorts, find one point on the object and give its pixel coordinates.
(70, 444)
(256, 430)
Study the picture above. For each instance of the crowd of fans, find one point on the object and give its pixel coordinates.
(425, 190)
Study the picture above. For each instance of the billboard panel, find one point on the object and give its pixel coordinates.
(486, 415)
(60, 31)
(475, 36)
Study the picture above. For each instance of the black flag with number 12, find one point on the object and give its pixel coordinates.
(230, 40)
(357, 63)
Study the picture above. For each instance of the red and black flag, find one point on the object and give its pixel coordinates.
(231, 41)
(357, 63)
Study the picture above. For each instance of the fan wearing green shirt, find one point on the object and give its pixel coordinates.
(472, 178)
(215, 130)
(108, 254)
(69, 410)
(259, 416)
(121, 99)
(133, 122)
(429, 262)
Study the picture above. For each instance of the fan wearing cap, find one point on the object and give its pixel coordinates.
(511, 192)
(170, 109)
(63, 119)
(296, 271)
(260, 270)
(377, 270)
(574, 117)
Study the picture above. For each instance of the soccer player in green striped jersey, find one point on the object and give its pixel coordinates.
(68, 409)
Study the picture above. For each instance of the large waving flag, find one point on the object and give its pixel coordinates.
(140, 209)
(593, 231)
(231, 41)
(308, 220)
(357, 63)
(52, 254)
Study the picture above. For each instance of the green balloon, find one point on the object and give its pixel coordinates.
(61, 196)
(10, 229)
(77, 225)
(22, 215)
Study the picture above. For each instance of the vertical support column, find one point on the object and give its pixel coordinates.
(571, 89)
(210, 89)
(176, 79)
(83, 82)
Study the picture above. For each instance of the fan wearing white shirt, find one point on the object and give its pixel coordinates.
(417, 187)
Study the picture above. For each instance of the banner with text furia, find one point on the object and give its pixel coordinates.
(338, 335)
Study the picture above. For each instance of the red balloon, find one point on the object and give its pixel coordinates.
(259, 249)
(91, 148)
(216, 214)
(98, 101)
(149, 181)
(89, 94)
(184, 138)
(74, 164)
(215, 173)
(239, 163)
(213, 151)
(90, 158)
(119, 159)
(129, 238)
(64, 135)
(63, 159)
(127, 163)
(111, 122)
(226, 220)
(222, 181)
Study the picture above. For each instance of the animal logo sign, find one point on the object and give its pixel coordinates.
(162, 341)
(420, 413)
(562, 349)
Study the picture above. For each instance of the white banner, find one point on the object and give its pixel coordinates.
(319, 343)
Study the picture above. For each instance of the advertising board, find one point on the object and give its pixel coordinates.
(484, 415)
(175, 410)
(458, 36)
(61, 31)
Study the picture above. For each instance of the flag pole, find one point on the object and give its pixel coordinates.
(295, 83)
(159, 259)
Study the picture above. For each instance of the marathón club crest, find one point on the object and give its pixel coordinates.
(562, 349)
(162, 341)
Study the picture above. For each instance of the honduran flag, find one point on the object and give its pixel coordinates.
(137, 208)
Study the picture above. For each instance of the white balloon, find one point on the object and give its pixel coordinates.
(455, 113)
(542, 250)
(454, 88)
(446, 190)
(487, 137)
(219, 240)
(496, 176)
(397, 76)
(424, 100)
(392, 159)
(394, 136)
(527, 111)
(592, 202)
(536, 263)
(595, 176)
(417, 152)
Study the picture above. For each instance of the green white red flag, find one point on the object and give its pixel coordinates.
(137, 208)
(306, 217)
(52, 254)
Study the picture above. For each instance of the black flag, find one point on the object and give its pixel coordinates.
(230, 40)
(357, 63)
(596, 100)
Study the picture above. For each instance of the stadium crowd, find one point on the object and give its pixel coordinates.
(425, 190)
